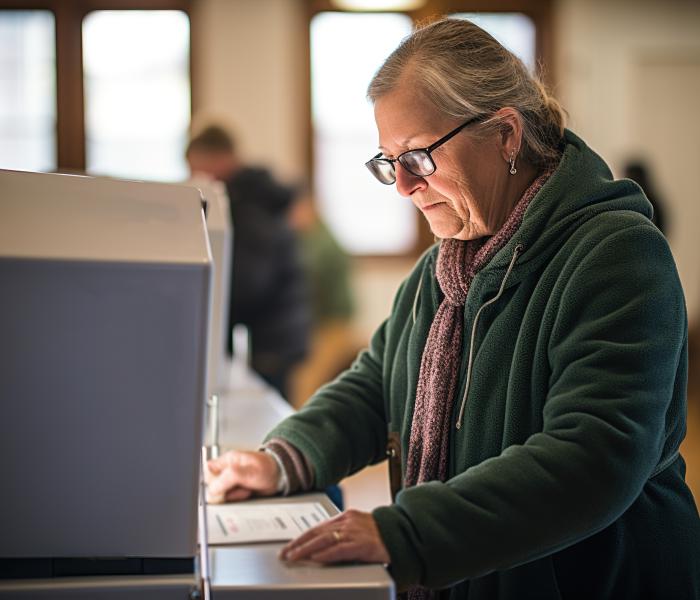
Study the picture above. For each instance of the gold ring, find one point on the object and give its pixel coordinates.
(336, 536)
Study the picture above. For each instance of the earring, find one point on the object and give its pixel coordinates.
(513, 170)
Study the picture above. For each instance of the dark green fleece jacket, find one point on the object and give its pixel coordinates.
(565, 479)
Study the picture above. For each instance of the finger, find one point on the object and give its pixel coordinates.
(311, 547)
(332, 524)
(214, 499)
(209, 474)
(219, 485)
(216, 465)
(237, 494)
(305, 537)
(340, 552)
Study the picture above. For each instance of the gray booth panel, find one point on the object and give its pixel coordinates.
(100, 423)
(104, 314)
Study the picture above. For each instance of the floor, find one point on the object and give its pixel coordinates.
(370, 488)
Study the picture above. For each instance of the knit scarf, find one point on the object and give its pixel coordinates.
(457, 263)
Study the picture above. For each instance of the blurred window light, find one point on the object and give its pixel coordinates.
(378, 5)
(366, 217)
(137, 93)
(27, 90)
(515, 31)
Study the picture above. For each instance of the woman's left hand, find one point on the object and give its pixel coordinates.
(351, 536)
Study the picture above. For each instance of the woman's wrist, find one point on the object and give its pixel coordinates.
(282, 476)
(294, 465)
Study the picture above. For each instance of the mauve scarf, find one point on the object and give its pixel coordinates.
(457, 263)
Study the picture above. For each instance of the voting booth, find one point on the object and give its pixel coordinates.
(113, 312)
(220, 233)
(104, 316)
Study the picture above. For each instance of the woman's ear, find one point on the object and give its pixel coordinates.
(511, 132)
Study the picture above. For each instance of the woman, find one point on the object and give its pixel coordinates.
(531, 376)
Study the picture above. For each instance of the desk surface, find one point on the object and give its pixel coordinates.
(248, 412)
(254, 571)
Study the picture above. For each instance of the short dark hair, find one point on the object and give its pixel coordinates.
(212, 139)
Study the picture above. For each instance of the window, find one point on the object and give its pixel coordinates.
(346, 50)
(137, 93)
(27, 90)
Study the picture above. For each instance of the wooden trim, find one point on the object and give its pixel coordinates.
(27, 5)
(306, 75)
(70, 122)
(694, 343)
(85, 6)
(90, 5)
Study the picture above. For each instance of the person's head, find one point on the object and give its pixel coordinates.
(637, 170)
(212, 152)
(444, 75)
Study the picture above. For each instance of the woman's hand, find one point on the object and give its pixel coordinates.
(238, 475)
(351, 536)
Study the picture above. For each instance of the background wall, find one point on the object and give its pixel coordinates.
(629, 75)
(249, 73)
(628, 72)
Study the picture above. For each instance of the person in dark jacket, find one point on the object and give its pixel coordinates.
(639, 172)
(269, 291)
(529, 384)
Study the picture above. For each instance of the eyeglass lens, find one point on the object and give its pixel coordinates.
(418, 162)
(383, 170)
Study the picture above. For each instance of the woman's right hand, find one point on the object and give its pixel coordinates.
(237, 475)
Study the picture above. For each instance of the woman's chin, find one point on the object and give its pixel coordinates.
(456, 229)
(467, 233)
(444, 230)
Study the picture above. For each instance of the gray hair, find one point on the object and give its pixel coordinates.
(464, 72)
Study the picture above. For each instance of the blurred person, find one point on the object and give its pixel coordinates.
(639, 172)
(529, 383)
(269, 290)
(333, 344)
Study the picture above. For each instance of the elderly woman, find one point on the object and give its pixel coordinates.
(529, 384)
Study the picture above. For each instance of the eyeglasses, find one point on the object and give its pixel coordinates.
(417, 162)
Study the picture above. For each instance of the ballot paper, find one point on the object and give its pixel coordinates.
(241, 523)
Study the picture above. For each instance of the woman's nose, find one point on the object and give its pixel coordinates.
(408, 183)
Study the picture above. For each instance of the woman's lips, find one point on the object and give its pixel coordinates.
(431, 206)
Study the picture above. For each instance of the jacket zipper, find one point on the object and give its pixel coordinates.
(516, 252)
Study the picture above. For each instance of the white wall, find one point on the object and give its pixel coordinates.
(249, 72)
(619, 66)
(598, 43)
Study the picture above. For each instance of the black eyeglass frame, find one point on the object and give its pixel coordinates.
(427, 151)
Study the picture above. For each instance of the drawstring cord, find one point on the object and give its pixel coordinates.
(415, 299)
(516, 252)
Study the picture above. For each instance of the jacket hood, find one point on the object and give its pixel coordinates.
(580, 188)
